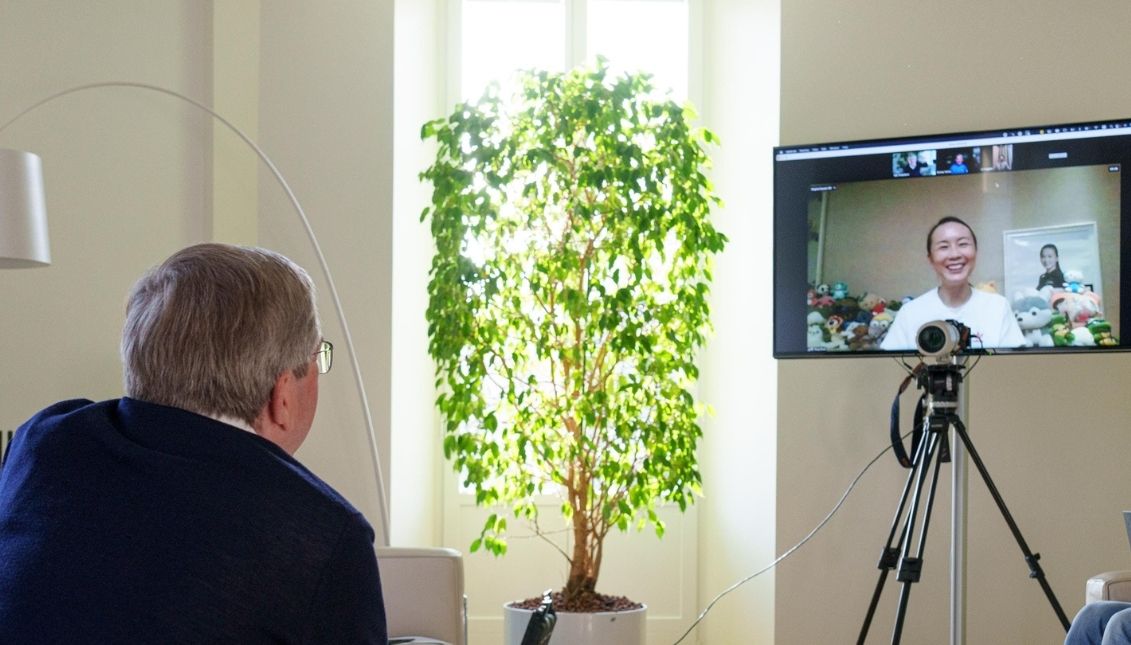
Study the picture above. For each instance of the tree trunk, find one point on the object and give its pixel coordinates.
(582, 579)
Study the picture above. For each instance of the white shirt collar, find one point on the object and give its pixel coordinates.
(232, 421)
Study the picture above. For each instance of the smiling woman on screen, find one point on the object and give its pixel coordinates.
(952, 251)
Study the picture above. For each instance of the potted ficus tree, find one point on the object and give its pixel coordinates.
(568, 299)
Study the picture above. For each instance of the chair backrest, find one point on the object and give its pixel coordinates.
(423, 590)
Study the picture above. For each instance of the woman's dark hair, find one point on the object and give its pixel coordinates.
(948, 220)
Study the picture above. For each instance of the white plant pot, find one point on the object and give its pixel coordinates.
(599, 628)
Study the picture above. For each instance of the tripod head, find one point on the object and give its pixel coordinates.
(941, 340)
(940, 383)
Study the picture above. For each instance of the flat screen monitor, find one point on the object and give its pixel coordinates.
(1034, 221)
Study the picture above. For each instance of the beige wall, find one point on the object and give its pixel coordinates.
(1051, 429)
(418, 471)
(129, 179)
(125, 177)
(740, 76)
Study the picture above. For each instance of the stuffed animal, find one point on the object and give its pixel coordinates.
(1078, 308)
(1061, 330)
(1101, 332)
(834, 323)
(1082, 337)
(839, 291)
(872, 303)
(815, 338)
(1033, 315)
(879, 326)
(989, 286)
(859, 339)
(1074, 281)
(825, 334)
(847, 308)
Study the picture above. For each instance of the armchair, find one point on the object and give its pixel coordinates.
(1110, 585)
(423, 590)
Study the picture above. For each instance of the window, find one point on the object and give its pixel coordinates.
(500, 36)
(497, 37)
(644, 35)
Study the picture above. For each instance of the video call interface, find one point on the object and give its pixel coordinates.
(1044, 204)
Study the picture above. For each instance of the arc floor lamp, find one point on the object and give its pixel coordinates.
(24, 238)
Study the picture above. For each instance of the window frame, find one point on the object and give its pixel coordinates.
(576, 44)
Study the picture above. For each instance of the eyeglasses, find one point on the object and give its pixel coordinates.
(325, 356)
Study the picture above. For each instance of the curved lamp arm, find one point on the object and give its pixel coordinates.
(372, 436)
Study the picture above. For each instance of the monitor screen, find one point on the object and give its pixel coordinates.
(1014, 236)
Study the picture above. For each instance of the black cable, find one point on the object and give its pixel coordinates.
(790, 551)
(977, 359)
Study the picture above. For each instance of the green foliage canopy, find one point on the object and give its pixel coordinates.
(568, 299)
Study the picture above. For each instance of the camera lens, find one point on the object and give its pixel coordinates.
(932, 339)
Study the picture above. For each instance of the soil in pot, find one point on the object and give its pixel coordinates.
(587, 603)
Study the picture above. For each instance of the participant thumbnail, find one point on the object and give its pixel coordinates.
(913, 163)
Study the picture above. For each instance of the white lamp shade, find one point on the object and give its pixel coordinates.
(23, 214)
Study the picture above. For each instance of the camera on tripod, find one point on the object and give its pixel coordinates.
(935, 416)
(942, 339)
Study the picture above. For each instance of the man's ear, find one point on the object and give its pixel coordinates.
(279, 405)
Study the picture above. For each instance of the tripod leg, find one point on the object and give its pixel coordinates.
(889, 558)
(1031, 558)
(910, 566)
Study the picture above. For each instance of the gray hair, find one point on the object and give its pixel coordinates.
(211, 328)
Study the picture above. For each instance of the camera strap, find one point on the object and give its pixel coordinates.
(542, 621)
(901, 454)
